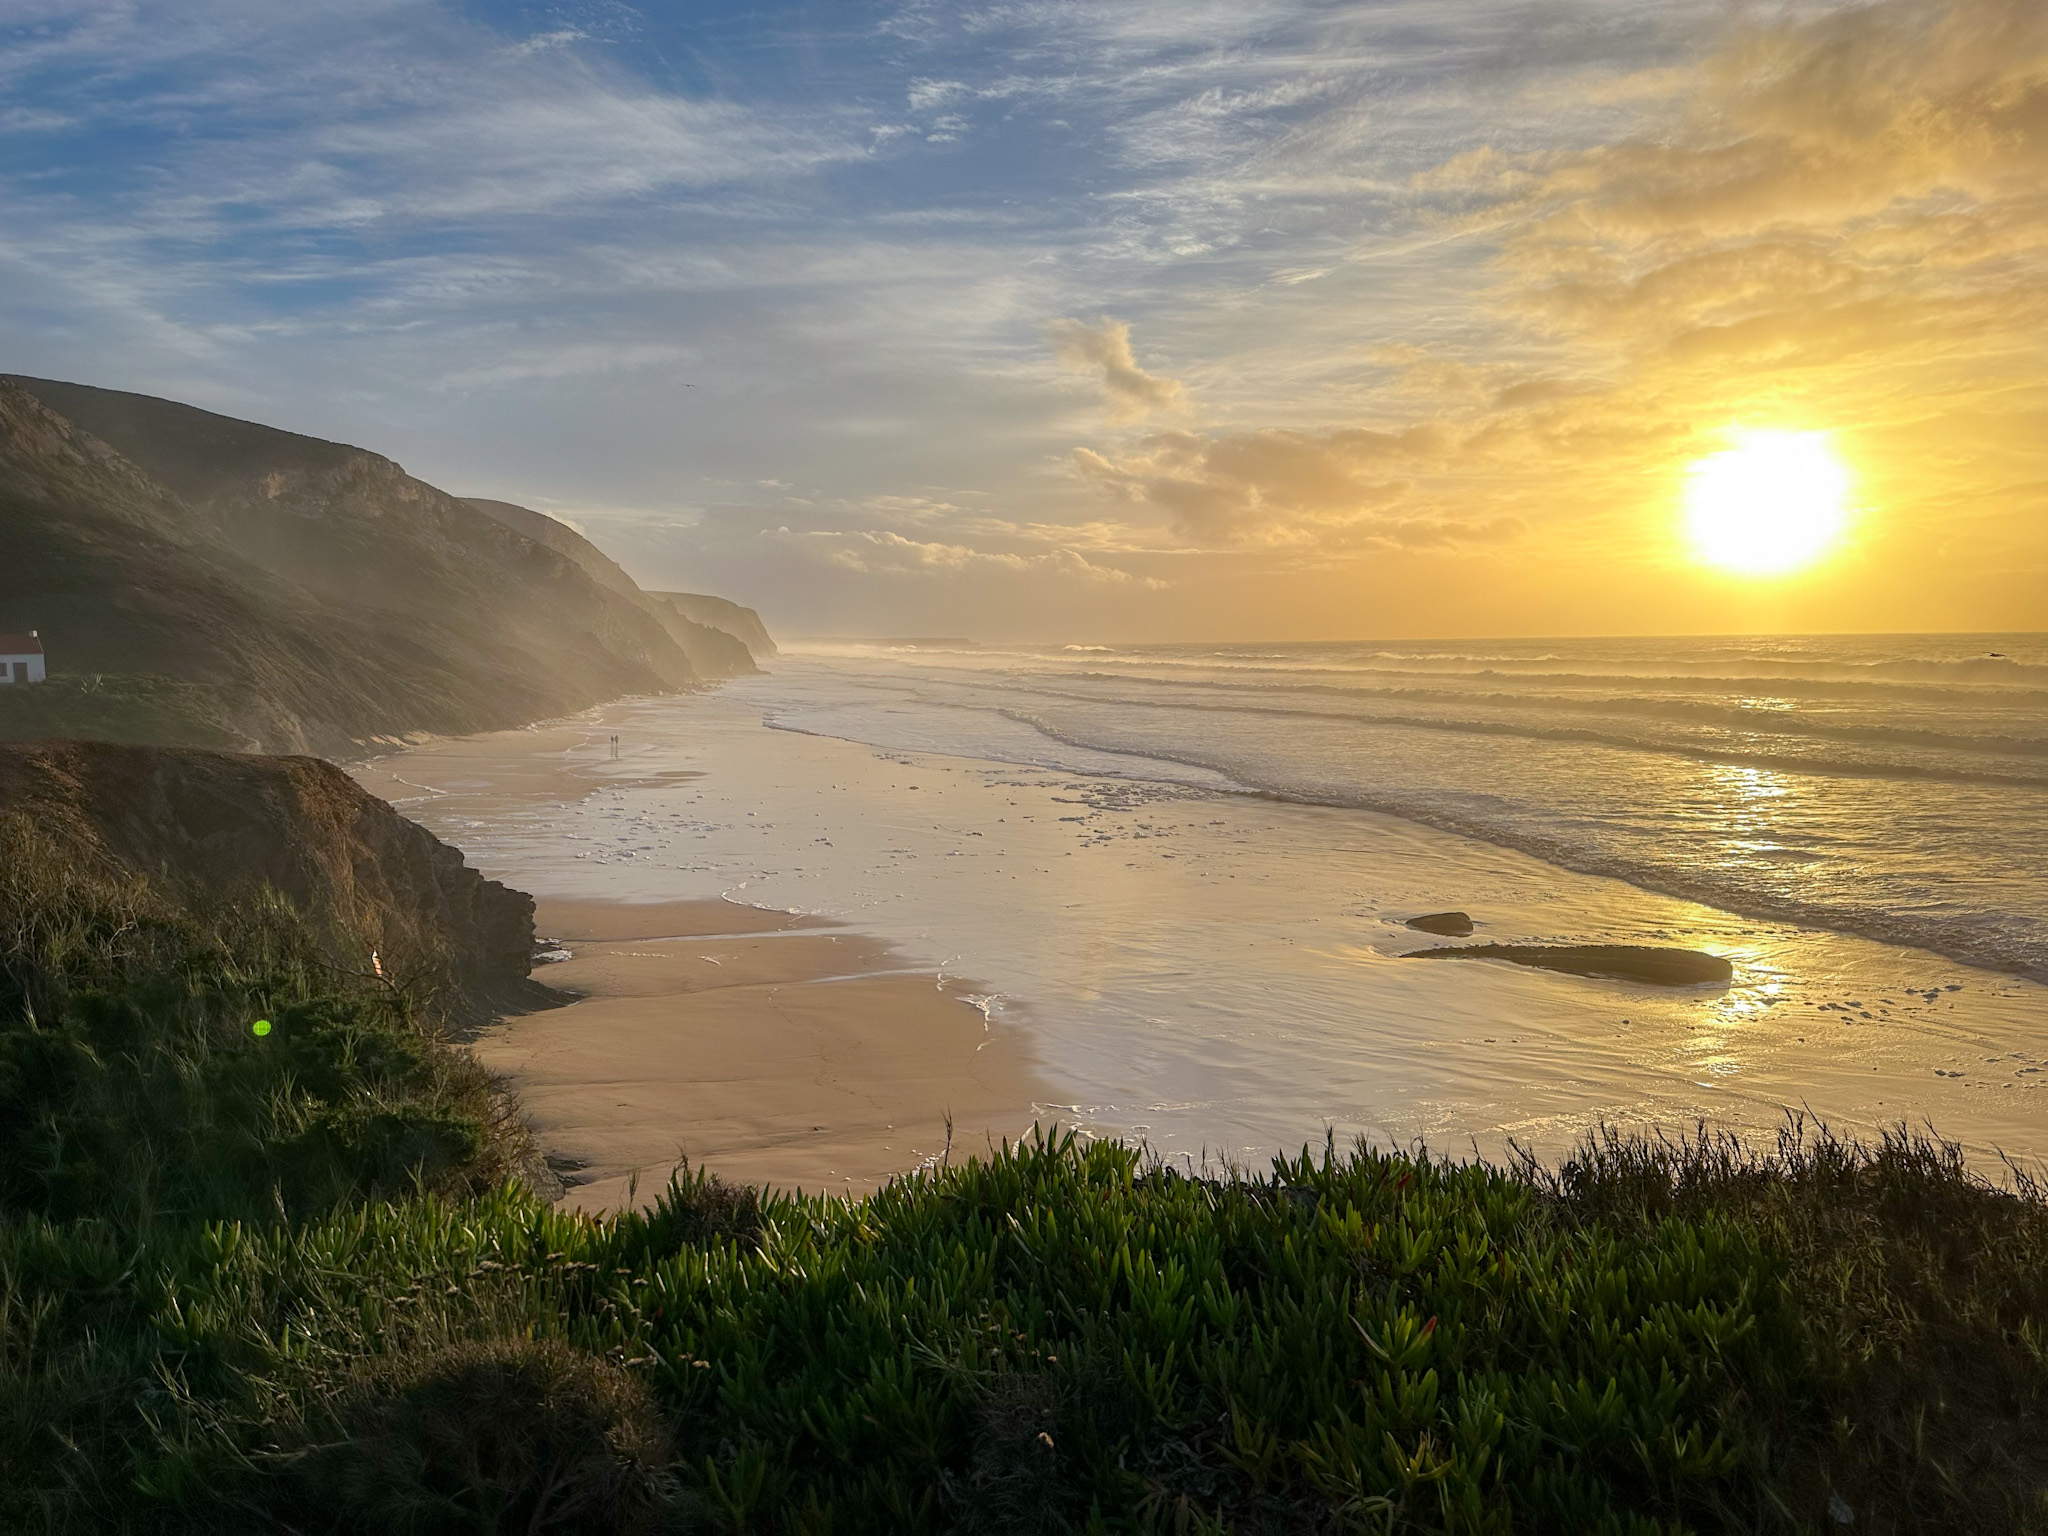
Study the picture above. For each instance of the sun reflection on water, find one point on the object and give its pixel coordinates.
(1748, 809)
(1746, 786)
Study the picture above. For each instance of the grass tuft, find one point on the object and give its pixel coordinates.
(1922, 1290)
(494, 1435)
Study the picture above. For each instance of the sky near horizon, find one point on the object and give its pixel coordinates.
(1110, 319)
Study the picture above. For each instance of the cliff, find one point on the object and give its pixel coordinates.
(721, 613)
(205, 828)
(303, 595)
(713, 649)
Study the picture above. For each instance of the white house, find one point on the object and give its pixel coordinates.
(21, 658)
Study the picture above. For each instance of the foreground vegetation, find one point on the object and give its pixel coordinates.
(295, 1281)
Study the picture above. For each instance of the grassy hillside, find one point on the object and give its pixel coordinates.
(297, 594)
(209, 831)
(142, 707)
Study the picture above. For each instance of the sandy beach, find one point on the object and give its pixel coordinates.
(766, 1047)
(1217, 974)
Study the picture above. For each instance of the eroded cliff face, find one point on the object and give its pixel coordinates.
(315, 594)
(207, 827)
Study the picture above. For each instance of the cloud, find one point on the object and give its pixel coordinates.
(588, 360)
(808, 565)
(878, 552)
(543, 42)
(1428, 279)
(1837, 220)
(325, 118)
(913, 540)
(1104, 349)
(927, 95)
(1863, 182)
(1271, 487)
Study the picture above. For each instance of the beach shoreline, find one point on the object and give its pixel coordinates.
(1218, 975)
(766, 1047)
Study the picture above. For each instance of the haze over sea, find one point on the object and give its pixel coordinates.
(1181, 872)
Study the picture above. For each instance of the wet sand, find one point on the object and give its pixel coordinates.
(768, 1048)
(1218, 974)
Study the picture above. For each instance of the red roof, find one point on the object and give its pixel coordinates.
(21, 645)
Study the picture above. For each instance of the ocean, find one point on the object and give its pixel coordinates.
(1181, 874)
(1894, 787)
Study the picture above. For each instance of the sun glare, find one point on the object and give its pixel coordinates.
(1771, 504)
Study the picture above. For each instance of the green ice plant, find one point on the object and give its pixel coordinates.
(1057, 1337)
(1390, 1341)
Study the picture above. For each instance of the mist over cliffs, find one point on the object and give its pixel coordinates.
(215, 582)
(723, 613)
(714, 649)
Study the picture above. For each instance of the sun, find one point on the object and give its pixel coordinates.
(1773, 503)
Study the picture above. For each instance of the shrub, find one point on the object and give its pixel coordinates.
(697, 1208)
(497, 1435)
(132, 1084)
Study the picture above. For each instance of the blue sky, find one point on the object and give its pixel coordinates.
(1029, 317)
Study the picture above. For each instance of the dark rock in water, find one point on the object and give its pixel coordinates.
(1452, 925)
(1631, 962)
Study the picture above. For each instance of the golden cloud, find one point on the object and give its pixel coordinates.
(1863, 195)
(1104, 350)
(1836, 222)
(1261, 487)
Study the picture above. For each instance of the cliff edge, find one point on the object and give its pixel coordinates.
(204, 828)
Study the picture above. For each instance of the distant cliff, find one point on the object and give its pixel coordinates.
(257, 588)
(203, 828)
(720, 613)
(715, 650)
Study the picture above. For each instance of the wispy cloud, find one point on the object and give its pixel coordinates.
(543, 42)
(879, 552)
